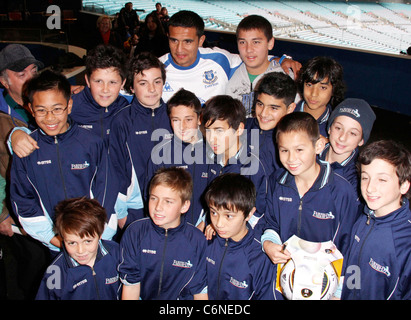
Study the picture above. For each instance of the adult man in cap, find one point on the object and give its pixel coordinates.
(17, 65)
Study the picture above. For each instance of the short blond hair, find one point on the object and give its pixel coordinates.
(101, 18)
(177, 179)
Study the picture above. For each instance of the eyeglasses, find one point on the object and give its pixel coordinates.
(44, 112)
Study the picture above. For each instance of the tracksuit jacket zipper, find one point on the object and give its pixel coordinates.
(60, 168)
(219, 269)
(160, 281)
(300, 210)
(95, 283)
(363, 243)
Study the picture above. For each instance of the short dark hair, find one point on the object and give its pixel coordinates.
(47, 80)
(223, 107)
(81, 216)
(299, 122)
(104, 57)
(255, 21)
(391, 151)
(144, 61)
(319, 68)
(278, 85)
(187, 19)
(231, 191)
(185, 98)
(178, 179)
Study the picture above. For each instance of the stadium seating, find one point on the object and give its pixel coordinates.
(381, 27)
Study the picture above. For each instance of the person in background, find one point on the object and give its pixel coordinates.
(104, 34)
(24, 258)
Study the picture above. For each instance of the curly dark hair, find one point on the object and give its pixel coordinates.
(104, 57)
(319, 68)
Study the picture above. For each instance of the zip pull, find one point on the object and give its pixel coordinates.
(226, 243)
(92, 269)
(55, 140)
(152, 113)
(368, 220)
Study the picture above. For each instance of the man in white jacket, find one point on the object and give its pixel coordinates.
(205, 71)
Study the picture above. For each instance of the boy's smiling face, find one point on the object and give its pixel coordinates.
(380, 187)
(269, 110)
(253, 47)
(298, 153)
(50, 100)
(345, 135)
(148, 87)
(105, 85)
(83, 250)
(316, 96)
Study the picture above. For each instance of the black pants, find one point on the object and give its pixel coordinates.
(22, 265)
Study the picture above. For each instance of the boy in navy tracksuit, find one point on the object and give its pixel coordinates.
(163, 257)
(70, 162)
(87, 265)
(187, 149)
(320, 83)
(135, 130)
(349, 127)
(223, 119)
(274, 97)
(106, 73)
(94, 107)
(237, 269)
(378, 266)
(306, 198)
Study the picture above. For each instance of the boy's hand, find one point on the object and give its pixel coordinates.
(209, 232)
(5, 227)
(288, 64)
(22, 144)
(201, 226)
(274, 252)
(76, 89)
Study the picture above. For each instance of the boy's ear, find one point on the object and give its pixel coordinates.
(320, 144)
(240, 129)
(405, 186)
(69, 106)
(361, 143)
(271, 43)
(291, 107)
(185, 206)
(30, 108)
(87, 81)
(250, 214)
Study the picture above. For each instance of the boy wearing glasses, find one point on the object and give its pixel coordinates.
(70, 162)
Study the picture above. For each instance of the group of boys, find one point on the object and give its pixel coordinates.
(159, 185)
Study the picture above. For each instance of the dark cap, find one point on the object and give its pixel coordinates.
(357, 109)
(16, 57)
